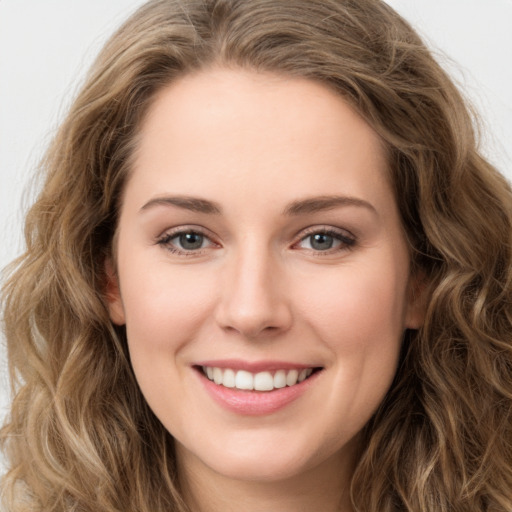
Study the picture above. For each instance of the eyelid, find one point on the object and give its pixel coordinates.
(347, 239)
(171, 233)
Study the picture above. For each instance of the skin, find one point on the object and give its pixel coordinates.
(258, 288)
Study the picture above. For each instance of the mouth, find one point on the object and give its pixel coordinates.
(256, 388)
(263, 381)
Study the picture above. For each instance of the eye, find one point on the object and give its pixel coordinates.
(326, 240)
(185, 242)
(320, 241)
(190, 241)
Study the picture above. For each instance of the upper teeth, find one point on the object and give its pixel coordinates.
(262, 381)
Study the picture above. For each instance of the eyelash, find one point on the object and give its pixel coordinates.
(347, 241)
(165, 241)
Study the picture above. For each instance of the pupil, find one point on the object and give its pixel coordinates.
(190, 241)
(321, 241)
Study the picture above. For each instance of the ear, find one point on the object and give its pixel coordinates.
(417, 300)
(113, 294)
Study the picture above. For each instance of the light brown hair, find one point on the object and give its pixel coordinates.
(81, 437)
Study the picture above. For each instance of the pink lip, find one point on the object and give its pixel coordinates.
(255, 403)
(254, 366)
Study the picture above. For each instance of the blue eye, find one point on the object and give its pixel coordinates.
(190, 241)
(185, 242)
(326, 240)
(321, 241)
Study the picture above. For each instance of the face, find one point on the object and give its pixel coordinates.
(260, 246)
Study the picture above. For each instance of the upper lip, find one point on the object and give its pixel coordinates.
(255, 366)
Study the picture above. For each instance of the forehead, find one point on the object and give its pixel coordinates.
(257, 133)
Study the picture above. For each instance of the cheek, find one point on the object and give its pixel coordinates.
(360, 300)
(165, 310)
(358, 314)
(164, 306)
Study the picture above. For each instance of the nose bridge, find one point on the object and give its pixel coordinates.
(253, 299)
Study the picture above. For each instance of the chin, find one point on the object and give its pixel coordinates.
(259, 461)
(259, 469)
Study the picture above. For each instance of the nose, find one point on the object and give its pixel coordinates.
(254, 302)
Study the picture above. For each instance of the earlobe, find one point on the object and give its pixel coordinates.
(417, 301)
(113, 294)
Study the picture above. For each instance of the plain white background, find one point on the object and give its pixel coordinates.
(46, 47)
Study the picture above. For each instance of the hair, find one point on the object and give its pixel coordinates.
(80, 436)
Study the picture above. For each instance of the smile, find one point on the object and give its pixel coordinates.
(256, 388)
(261, 381)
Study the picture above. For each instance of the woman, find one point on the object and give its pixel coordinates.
(268, 270)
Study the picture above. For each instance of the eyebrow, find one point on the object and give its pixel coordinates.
(324, 203)
(296, 208)
(187, 203)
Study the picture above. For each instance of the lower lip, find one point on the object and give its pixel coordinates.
(256, 403)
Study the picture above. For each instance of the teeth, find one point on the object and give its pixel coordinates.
(291, 377)
(217, 376)
(262, 381)
(280, 379)
(228, 378)
(302, 375)
(244, 380)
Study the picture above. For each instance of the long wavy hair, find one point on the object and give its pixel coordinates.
(80, 436)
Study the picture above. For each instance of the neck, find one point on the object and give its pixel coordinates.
(325, 488)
